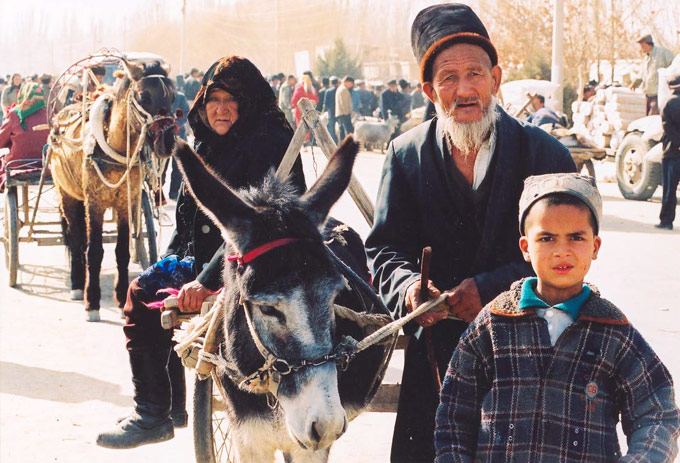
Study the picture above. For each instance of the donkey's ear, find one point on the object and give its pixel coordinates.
(215, 198)
(328, 188)
(133, 71)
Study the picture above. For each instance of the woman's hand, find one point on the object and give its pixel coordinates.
(191, 296)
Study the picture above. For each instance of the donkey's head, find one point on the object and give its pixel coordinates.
(151, 94)
(287, 291)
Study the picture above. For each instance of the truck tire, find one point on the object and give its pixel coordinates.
(637, 178)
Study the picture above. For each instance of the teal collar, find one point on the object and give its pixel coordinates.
(530, 299)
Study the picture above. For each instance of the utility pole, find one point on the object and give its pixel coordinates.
(597, 38)
(181, 38)
(613, 18)
(276, 35)
(557, 67)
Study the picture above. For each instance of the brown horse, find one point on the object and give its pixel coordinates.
(124, 128)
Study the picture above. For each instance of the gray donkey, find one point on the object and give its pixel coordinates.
(282, 339)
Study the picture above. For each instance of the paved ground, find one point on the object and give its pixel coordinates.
(63, 380)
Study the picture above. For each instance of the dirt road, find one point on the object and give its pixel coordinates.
(63, 380)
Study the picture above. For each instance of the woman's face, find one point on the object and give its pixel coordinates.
(16, 80)
(222, 110)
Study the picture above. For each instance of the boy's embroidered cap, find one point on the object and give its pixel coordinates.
(582, 187)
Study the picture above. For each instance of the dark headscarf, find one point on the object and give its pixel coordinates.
(256, 101)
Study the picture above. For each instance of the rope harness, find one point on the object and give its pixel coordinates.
(267, 378)
(137, 119)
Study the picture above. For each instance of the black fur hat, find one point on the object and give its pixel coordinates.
(439, 26)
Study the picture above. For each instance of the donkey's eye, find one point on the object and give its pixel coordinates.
(145, 98)
(270, 311)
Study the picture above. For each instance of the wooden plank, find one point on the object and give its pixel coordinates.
(402, 342)
(328, 147)
(386, 399)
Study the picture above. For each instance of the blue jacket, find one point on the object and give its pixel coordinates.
(329, 102)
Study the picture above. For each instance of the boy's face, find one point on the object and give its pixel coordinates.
(559, 243)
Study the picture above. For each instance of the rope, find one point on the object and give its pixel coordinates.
(362, 319)
(105, 181)
(215, 359)
(396, 325)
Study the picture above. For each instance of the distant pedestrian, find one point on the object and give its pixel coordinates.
(343, 107)
(46, 84)
(656, 58)
(285, 97)
(390, 101)
(329, 106)
(417, 97)
(325, 85)
(10, 94)
(305, 89)
(670, 164)
(542, 115)
(405, 96)
(192, 85)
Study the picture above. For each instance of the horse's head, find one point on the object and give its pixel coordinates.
(151, 95)
(287, 291)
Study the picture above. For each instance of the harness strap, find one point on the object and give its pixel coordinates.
(258, 251)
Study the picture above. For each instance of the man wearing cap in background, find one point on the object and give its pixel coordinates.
(656, 58)
(192, 85)
(670, 164)
(390, 101)
(452, 183)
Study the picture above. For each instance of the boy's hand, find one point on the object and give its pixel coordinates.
(191, 296)
(464, 300)
(413, 301)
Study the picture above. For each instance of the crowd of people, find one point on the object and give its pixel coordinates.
(345, 99)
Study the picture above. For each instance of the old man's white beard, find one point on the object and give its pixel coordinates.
(468, 137)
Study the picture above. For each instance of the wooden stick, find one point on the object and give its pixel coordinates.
(310, 116)
(427, 332)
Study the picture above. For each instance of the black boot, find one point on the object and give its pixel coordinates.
(150, 422)
(178, 384)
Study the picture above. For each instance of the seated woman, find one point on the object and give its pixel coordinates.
(241, 134)
(17, 134)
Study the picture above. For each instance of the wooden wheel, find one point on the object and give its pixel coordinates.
(212, 442)
(11, 238)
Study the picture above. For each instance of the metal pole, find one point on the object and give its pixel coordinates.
(181, 38)
(276, 35)
(557, 68)
(613, 18)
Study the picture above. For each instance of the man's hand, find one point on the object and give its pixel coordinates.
(413, 301)
(191, 296)
(464, 300)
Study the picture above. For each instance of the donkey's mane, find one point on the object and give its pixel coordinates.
(272, 191)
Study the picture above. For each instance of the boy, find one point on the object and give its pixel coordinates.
(546, 368)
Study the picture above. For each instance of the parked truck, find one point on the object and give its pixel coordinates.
(638, 156)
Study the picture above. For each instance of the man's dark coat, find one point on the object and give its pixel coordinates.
(472, 235)
(670, 119)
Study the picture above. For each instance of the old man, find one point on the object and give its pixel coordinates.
(452, 183)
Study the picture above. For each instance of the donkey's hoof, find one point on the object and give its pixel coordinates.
(92, 316)
(76, 294)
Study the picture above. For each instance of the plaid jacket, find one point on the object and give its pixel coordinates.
(509, 396)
